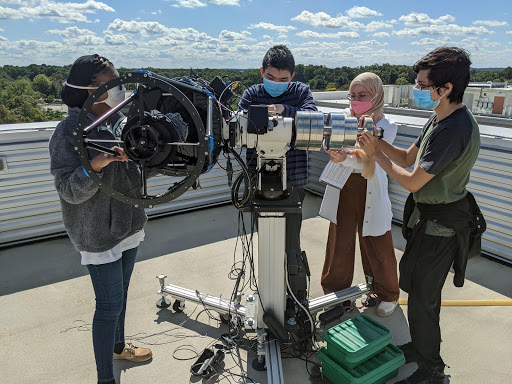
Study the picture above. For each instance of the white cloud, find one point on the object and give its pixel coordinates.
(232, 36)
(431, 42)
(201, 46)
(142, 27)
(164, 42)
(373, 42)
(224, 2)
(272, 27)
(37, 46)
(71, 32)
(474, 44)
(189, 4)
(86, 40)
(491, 23)
(420, 19)
(54, 10)
(244, 48)
(359, 48)
(361, 12)
(203, 3)
(450, 29)
(188, 34)
(115, 39)
(381, 34)
(376, 25)
(10, 13)
(152, 28)
(509, 32)
(3, 38)
(316, 35)
(322, 19)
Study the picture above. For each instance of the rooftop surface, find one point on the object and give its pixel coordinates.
(47, 305)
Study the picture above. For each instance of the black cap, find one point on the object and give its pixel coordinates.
(82, 73)
(84, 69)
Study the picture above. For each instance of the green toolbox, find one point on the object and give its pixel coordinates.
(376, 370)
(356, 340)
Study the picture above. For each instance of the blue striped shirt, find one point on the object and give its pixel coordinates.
(297, 97)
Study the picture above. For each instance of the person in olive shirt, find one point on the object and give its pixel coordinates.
(439, 216)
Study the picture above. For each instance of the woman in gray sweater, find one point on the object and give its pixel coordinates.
(105, 231)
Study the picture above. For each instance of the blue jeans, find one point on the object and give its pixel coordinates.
(110, 282)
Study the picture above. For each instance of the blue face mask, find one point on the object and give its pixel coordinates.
(423, 99)
(274, 88)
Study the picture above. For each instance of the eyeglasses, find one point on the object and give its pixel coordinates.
(358, 96)
(425, 88)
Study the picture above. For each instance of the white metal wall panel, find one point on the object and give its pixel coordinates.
(29, 204)
(30, 209)
(490, 182)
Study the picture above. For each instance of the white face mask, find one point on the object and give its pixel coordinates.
(115, 95)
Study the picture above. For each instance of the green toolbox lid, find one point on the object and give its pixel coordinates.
(376, 370)
(355, 340)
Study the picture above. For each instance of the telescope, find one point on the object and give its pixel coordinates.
(179, 127)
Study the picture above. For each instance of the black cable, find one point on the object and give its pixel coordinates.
(244, 176)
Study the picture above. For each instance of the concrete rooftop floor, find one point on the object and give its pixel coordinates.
(47, 305)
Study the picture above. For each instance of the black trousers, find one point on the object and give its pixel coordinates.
(434, 255)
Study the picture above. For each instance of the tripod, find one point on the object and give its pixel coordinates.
(272, 288)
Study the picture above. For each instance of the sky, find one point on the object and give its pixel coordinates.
(237, 33)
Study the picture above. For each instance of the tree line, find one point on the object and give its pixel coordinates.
(25, 92)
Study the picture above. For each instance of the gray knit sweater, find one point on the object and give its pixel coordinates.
(94, 221)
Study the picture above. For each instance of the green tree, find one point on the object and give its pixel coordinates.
(401, 81)
(318, 83)
(22, 101)
(43, 84)
(507, 73)
(330, 87)
(250, 77)
(6, 116)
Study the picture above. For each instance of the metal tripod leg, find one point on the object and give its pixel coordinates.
(334, 298)
(219, 305)
(274, 364)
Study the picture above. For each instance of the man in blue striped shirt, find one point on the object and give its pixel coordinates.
(286, 98)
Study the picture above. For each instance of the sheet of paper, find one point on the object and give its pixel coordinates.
(335, 174)
(329, 206)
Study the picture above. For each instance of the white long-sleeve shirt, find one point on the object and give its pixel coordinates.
(377, 213)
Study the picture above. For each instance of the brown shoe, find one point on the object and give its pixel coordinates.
(133, 353)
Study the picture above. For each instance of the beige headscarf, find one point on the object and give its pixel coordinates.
(373, 84)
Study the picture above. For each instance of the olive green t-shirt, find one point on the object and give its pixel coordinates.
(448, 149)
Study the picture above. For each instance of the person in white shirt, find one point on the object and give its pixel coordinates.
(363, 207)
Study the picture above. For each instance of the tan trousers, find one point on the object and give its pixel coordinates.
(377, 252)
